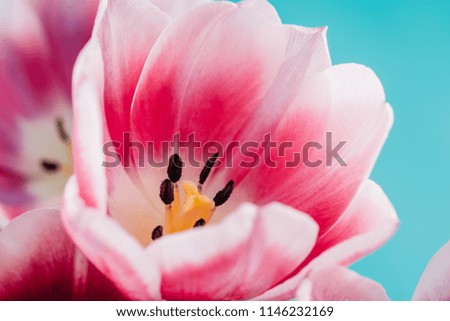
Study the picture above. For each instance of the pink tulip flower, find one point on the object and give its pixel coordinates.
(336, 283)
(39, 42)
(224, 72)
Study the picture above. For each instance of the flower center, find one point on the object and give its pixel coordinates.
(196, 209)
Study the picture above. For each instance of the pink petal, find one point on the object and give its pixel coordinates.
(88, 126)
(39, 262)
(126, 34)
(4, 217)
(306, 55)
(434, 285)
(9, 212)
(68, 25)
(368, 222)
(13, 191)
(176, 8)
(40, 41)
(337, 283)
(247, 253)
(109, 247)
(207, 72)
(359, 117)
(369, 212)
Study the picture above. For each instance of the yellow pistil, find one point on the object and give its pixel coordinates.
(183, 216)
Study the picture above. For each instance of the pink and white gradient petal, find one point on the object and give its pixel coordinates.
(434, 284)
(337, 283)
(358, 116)
(122, 68)
(68, 25)
(40, 262)
(184, 86)
(306, 55)
(368, 222)
(89, 131)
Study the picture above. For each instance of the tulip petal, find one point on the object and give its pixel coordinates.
(196, 72)
(434, 284)
(109, 247)
(124, 55)
(359, 119)
(306, 55)
(176, 8)
(247, 253)
(368, 222)
(336, 283)
(68, 25)
(39, 262)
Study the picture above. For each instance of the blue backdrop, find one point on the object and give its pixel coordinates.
(407, 43)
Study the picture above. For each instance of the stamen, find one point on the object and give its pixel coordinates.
(50, 166)
(157, 232)
(200, 222)
(166, 192)
(175, 168)
(62, 131)
(207, 169)
(222, 196)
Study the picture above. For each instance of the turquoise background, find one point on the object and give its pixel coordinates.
(407, 43)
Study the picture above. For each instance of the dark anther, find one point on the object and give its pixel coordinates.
(62, 131)
(200, 222)
(207, 169)
(157, 232)
(166, 192)
(175, 167)
(50, 166)
(224, 194)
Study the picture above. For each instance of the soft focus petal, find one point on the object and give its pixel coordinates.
(359, 117)
(126, 203)
(186, 89)
(68, 25)
(39, 262)
(88, 126)
(370, 212)
(337, 283)
(434, 285)
(177, 7)
(4, 217)
(237, 259)
(368, 222)
(39, 41)
(107, 245)
(290, 94)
